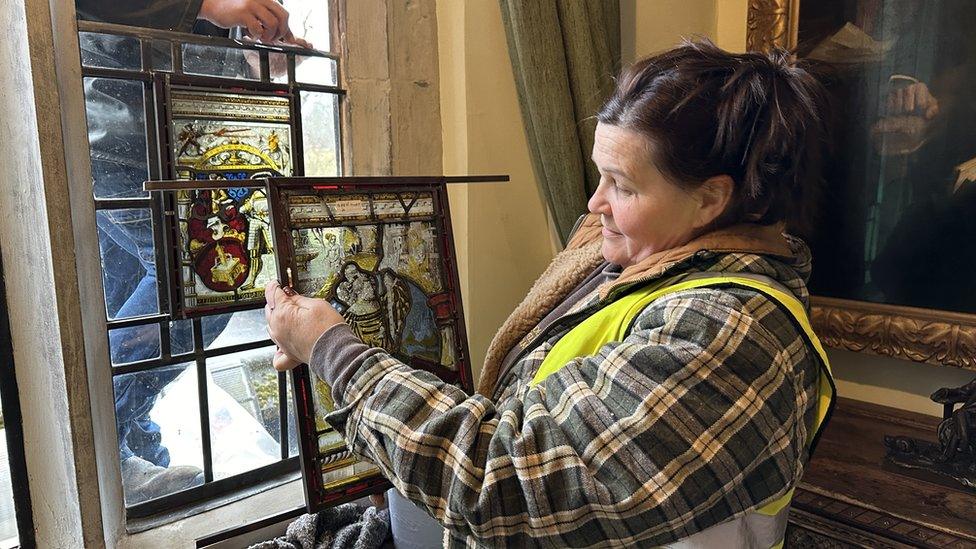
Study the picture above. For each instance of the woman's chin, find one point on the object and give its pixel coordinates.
(613, 254)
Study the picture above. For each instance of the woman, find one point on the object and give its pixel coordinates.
(657, 385)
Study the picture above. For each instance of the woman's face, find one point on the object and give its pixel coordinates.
(641, 211)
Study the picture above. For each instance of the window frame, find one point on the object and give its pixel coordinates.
(156, 85)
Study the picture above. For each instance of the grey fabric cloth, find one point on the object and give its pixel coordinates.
(564, 55)
(351, 525)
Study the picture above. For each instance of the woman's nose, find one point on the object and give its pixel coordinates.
(597, 202)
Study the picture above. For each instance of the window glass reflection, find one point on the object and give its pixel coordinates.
(109, 51)
(116, 117)
(244, 420)
(320, 123)
(125, 239)
(158, 422)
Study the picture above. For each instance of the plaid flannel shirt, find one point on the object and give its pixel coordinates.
(697, 417)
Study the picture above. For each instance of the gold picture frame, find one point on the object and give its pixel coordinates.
(910, 333)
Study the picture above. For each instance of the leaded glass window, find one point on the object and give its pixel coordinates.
(199, 409)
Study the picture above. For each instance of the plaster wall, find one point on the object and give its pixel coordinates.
(501, 231)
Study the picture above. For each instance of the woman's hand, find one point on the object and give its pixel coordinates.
(295, 323)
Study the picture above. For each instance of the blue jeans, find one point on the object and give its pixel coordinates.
(129, 277)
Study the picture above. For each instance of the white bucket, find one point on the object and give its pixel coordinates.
(412, 527)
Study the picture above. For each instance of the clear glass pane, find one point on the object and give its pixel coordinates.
(309, 19)
(109, 51)
(292, 420)
(315, 70)
(320, 125)
(8, 516)
(181, 337)
(220, 61)
(161, 55)
(134, 344)
(308, 69)
(125, 239)
(278, 67)
(229, 329)
(157, 414)
(117, 136)
(244, 421)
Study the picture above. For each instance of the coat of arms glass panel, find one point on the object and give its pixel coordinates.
(224, 249)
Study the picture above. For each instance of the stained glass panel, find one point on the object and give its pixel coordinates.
(381, 255)
(229, 135)
(386, 279)
(225, 251)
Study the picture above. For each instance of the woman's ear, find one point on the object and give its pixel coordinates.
(714, 197)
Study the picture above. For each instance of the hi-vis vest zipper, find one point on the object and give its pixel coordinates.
(764, 527)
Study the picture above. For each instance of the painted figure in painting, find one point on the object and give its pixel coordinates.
(900, 74)
(259, 241)
(359, 292)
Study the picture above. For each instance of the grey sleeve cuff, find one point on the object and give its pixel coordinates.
(336, 356)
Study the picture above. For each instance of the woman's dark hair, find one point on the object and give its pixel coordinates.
(753, 116)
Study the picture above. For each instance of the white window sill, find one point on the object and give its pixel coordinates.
(183, 527)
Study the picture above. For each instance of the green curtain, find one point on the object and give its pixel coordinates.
(565, 54)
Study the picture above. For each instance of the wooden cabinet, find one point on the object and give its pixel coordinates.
(850, 496)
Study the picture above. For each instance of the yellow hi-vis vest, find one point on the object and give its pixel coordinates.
(765, 526)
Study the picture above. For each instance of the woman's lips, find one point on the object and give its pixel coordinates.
(608, 233)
